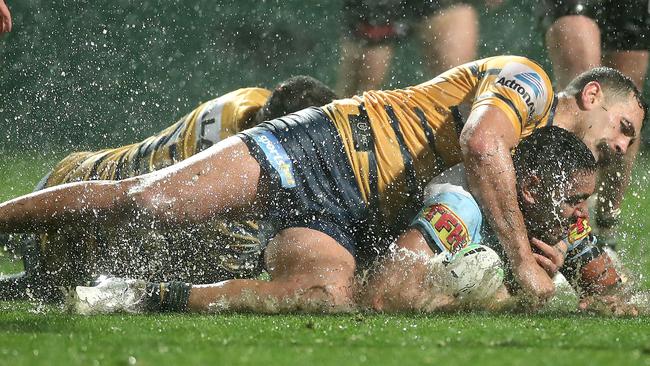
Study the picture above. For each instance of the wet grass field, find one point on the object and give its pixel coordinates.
(33, 335)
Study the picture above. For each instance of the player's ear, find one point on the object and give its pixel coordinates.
(530, 189)
(592, 96)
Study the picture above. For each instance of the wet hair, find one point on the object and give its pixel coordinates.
(615, 85)
(294, 94)
(554, 155)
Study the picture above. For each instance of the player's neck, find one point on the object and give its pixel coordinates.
(567, 114)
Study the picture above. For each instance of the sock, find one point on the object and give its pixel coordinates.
(167, 296)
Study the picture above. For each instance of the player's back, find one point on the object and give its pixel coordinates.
(209, 123)
(397, 140)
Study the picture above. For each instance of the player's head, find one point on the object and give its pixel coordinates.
(612, 111)
(294, 94)
(556, 173)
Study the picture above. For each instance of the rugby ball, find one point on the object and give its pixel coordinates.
(473, 274)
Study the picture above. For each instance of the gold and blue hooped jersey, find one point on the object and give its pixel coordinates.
(222, 249)
(211, 122)
(397, 140)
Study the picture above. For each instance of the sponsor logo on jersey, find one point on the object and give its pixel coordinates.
(579, 230)
(533, 80)
(529, 83)
(520, 89)
(448, 227)
(277, 157)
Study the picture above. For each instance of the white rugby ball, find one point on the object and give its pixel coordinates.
(473, 274)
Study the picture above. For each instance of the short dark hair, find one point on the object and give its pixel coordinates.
(294, 94)
(554, 155)
(614, 83)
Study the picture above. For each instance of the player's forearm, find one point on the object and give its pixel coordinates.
(400, 280)
(396, 285)
(266, 297)
(491, 177)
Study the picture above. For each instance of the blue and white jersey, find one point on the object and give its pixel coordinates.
(450, 219)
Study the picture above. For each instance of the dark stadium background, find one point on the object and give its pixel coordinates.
(89, 74)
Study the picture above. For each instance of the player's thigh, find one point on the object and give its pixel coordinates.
(449, 37)
(573, 43)
(221, 181)
(311, 261)
(633, 63)
(363, 67)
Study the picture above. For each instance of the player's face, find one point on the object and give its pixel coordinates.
(551, 215)
(613, 128)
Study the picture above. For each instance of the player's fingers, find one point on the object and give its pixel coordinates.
(549, 251)
(541, 245)
(5, 24)
(546, 263)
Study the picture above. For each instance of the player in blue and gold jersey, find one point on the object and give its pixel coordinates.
(213, 251)
(335, 181)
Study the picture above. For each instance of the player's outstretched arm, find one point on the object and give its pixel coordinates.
(486, 142)
(5, 18)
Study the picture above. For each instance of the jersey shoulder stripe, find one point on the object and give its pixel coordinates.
(517, 85)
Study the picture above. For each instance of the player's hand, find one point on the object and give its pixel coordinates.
(534, 281)
(608, 305)
(5, 18)
(552, 256)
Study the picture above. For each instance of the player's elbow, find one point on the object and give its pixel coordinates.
(477, 147)
(328, 299)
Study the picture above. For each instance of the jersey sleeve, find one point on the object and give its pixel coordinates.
(518, 87)
(449, 220)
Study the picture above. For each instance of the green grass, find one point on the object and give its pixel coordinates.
(30, 335)
(28, 338)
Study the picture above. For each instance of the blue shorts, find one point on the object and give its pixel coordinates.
(312, 184)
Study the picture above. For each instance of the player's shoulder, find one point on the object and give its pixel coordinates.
(526, 78)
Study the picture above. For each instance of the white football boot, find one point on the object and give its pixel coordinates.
(110, 295)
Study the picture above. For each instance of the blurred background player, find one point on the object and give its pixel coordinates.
(212, 252)
(448, 31)
(5, 18)
(582, 34)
